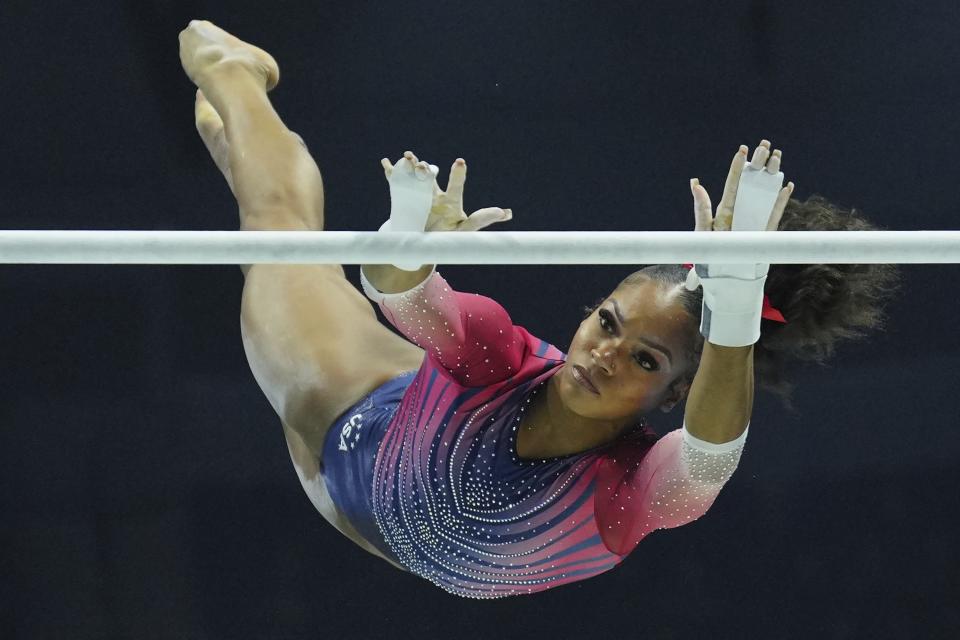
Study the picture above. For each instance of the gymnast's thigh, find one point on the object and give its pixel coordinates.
(307, 467)
(315, 345)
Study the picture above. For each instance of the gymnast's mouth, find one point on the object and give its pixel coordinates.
(579, 374)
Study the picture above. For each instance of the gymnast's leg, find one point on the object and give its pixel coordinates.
(212, 132)
(272, 175)
(312, 340)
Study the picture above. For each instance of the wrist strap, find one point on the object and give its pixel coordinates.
(732, 307)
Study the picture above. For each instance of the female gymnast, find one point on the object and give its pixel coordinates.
(474, 454)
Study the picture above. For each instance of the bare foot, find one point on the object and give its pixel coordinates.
(204, 47)
(210, 128)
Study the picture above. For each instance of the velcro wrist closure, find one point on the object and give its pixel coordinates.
(749, 271)
(731, 329)
(732, 311)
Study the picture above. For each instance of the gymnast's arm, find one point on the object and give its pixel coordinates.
(720, 402)
(678, 480)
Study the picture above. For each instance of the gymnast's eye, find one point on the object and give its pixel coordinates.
(606, 323)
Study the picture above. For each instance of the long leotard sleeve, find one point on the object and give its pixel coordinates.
(469, 335)
(671, 484)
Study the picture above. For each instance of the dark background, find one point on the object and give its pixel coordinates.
(145, 486)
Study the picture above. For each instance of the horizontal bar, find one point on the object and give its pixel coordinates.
(498, 247)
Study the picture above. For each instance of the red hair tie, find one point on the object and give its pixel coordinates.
(769, 311)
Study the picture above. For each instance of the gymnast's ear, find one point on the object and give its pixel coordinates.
(676, 394)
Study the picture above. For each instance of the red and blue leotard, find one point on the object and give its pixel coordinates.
(457, 506)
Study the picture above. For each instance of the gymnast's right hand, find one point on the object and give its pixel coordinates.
(446, 210)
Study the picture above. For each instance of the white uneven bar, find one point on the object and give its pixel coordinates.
(498, 247)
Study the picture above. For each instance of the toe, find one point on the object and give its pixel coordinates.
(208, 121)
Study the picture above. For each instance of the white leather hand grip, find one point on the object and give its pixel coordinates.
(411, 197)
(733, 293)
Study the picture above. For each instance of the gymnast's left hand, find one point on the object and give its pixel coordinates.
(762, 159)
(446, 211)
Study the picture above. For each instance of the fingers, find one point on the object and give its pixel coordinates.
(778, 207)
(458, 173)
(410, 164)
(763, 158)
(760, 155)
(484, 218)
(410, 157)
(458, 176)
(725, 209)
(388, 168)
(773, 165)
(423, 170)
(702, 209)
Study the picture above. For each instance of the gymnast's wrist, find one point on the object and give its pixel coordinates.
(403, 265)
(732, 306)
(388, 279)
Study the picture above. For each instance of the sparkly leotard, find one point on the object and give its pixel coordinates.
(457, 506)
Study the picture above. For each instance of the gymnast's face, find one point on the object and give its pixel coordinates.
(632, 347)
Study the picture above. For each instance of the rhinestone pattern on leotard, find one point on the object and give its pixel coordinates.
(454, 502)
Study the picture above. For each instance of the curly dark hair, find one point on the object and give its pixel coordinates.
(822, 303)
